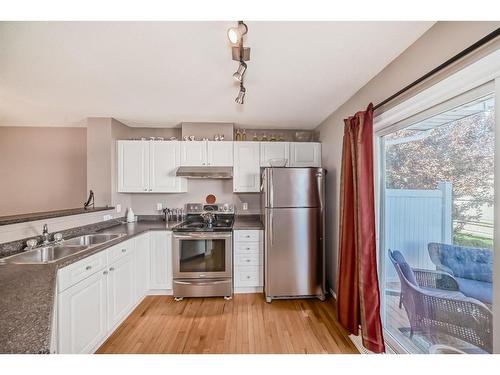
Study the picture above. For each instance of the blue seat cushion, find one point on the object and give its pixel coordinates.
(480, 290)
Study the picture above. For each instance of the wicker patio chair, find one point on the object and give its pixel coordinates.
(434, 305)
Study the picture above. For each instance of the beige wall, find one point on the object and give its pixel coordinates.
(42, 169)
(442, 41)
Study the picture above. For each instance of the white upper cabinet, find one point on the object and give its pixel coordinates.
(305, 154)
(164, 160)
(133, 166)
(193, 153)
(149, 166)
(202, 153)
(273, 150)
(220, 154)
(246, 170)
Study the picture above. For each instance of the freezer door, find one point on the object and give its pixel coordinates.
(292, 187)
(293, 252)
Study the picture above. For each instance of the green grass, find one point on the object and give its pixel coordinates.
(463, 239)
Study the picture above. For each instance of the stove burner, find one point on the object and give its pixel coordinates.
(195, 223)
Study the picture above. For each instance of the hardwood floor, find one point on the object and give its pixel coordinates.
(246, 324)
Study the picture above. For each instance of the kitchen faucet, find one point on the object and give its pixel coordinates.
(45, 234)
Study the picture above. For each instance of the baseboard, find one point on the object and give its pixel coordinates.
(160, 292)
(358, 343)
(248, 289)
(332, 293)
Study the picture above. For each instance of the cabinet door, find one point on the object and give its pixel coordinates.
(82, 323)
(142, 265)
(193, 153)
(164, 157)
(161, 260)
(133, 166)
(305, 154)
(121, 290)
(220, 154)
(273, 150)
(246, 171)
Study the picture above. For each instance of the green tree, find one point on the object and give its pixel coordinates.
(460, 152)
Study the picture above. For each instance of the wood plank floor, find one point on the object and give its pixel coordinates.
(246, 324)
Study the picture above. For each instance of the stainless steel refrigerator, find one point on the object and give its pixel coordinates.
(293, 207)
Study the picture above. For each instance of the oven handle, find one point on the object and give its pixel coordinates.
(202, 283)
(201, 235)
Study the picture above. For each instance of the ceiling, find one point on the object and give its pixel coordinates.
(164, 73)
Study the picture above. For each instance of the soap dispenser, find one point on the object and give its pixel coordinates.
(130, 215)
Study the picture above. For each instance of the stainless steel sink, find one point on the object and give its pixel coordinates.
(46, 254)
(54, 252)
(91, 239)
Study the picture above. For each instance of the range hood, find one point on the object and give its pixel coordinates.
(205, 172)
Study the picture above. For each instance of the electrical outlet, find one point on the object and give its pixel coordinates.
(118, 208)
(245, 206)
(107, 217)
(159, 206)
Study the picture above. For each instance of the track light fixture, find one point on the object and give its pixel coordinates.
(235, 34)
(240, 99)
(241, 54)
(240, 73)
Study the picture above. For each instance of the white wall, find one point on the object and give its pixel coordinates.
(442, 41)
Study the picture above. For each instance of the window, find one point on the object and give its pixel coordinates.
(436, 228)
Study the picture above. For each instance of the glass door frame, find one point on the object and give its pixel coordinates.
(484, 72)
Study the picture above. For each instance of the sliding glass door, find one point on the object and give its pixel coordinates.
(437, 227)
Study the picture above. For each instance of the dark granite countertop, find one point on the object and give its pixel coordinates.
(15, 219)
(247, 222)
(27, 293)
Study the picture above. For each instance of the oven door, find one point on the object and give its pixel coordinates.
(202, 255)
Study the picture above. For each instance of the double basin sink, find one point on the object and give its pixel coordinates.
(53, 252)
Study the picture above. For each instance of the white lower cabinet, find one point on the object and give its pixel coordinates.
(142, 261)
(82, 315)
(248, 261)
(161, 260)
(121, 290)
(97, 293)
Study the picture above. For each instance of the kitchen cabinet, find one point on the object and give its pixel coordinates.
(207, 153)
(273, 150)
(82, 315)
(193, 153)
(142, 261)
(220, 154)
(164, 160)
(248, 261)
(133, 166)
(149, 167)
(161, 260)
(246, 170)
(121, 290)
(305, 154)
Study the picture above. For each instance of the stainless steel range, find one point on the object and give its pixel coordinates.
(203, 252)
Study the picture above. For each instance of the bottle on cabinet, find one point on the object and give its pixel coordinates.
(244, 135)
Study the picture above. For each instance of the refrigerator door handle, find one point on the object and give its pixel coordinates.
(271, 227)
(271, 188)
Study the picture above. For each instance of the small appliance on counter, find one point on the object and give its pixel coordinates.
(203, 252)
(130, 215)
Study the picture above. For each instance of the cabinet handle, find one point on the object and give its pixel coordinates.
(247, 260)
(248, 277)
(248, 248)
(145, 189)
(124, 250)
(150, 189)
(88, 268)
(105, 273)
(111, 269)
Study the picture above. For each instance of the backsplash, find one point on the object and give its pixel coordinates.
(145, 204)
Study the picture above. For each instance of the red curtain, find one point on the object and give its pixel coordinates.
(358, 296)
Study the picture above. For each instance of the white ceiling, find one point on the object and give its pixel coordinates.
(164, 73)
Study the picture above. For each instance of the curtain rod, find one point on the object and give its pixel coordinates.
(455, 58)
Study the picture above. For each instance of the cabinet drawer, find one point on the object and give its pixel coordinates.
(248, 259)
(119, 251)
(80, 270)
(241, 248)
(247, 235)
(245, 276)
